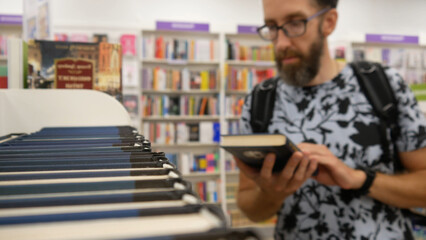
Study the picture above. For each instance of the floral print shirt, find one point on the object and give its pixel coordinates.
(337, 114)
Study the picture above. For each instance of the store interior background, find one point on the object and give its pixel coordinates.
(357, 17)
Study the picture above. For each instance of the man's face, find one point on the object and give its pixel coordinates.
(298, 59)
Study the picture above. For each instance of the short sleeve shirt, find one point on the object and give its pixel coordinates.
(337, 114)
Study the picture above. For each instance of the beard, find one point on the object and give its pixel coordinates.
(303, 72)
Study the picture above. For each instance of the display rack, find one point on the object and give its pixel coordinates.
(180, 90)
(248, 61)
(130, 60)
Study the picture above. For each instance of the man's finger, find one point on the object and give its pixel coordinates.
(268, 164)
(288, 171)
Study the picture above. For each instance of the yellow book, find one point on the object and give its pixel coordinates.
(244, 78)
(154, 80)
(204, 80)
(191, 106)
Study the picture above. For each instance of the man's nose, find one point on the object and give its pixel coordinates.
(282, 42)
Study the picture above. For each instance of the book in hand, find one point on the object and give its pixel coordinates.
(252, 148)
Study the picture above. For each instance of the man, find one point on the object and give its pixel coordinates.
(320, 106)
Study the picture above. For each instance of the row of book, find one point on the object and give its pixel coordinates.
(181, 132)
(410, 63)
(3, 43)
(234, 105)
(394, 57)
(189, 162)
(98, 183)
(246, 78)
(230, 164)
(161, 47)
(237, 51)
(208, 191)
(164, 105)
(179, 79)
(233, 127)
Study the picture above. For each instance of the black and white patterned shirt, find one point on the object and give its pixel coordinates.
(338, 115)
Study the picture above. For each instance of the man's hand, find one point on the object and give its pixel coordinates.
(332, 171)
(277, 186)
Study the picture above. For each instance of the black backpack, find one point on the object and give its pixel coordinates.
(376, 87)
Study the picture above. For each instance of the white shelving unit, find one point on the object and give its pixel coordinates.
(193, 58)
(248, 54)
(8, 31)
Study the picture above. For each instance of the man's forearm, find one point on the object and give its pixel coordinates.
(404, 191)
(256, 205)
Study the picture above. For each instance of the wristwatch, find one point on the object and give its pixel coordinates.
(365, 188)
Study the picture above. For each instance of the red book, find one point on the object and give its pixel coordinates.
(159, 47)
(3, 82)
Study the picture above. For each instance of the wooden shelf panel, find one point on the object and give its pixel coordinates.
(179, 62)
(251, 63)
(180, 118)
(180, 92)
(201, 176)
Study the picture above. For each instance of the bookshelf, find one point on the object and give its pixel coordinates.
(10, 28)
(248, 60)
(180, 88)
(131, 76)
(408, 58)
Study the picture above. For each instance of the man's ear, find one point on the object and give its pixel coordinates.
(329, 22)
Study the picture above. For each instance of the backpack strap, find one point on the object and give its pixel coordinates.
(376, 87)
(262, 104)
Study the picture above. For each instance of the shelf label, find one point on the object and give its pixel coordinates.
(247, 29)
(387, 38)
(183, 26)
(10, 19)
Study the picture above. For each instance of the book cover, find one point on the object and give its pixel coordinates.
(75, 65)
(108, 77)
(128, 44)
(130, 78)
(252, 149)
(130, 102)
(216, 132)
(206, 130)
(194, 132)
(359, 55)
(99, 37)
(62, 37)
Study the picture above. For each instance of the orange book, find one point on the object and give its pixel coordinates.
(203, 106)
(192, 50)
(211, 49)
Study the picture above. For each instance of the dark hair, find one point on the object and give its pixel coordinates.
(326, 3)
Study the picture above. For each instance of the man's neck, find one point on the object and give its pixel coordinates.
(329, 68)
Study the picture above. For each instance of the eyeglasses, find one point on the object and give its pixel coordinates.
(291, 29)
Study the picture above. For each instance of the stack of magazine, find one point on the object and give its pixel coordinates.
(99, 183)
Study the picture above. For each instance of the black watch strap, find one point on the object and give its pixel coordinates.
(365, 188)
